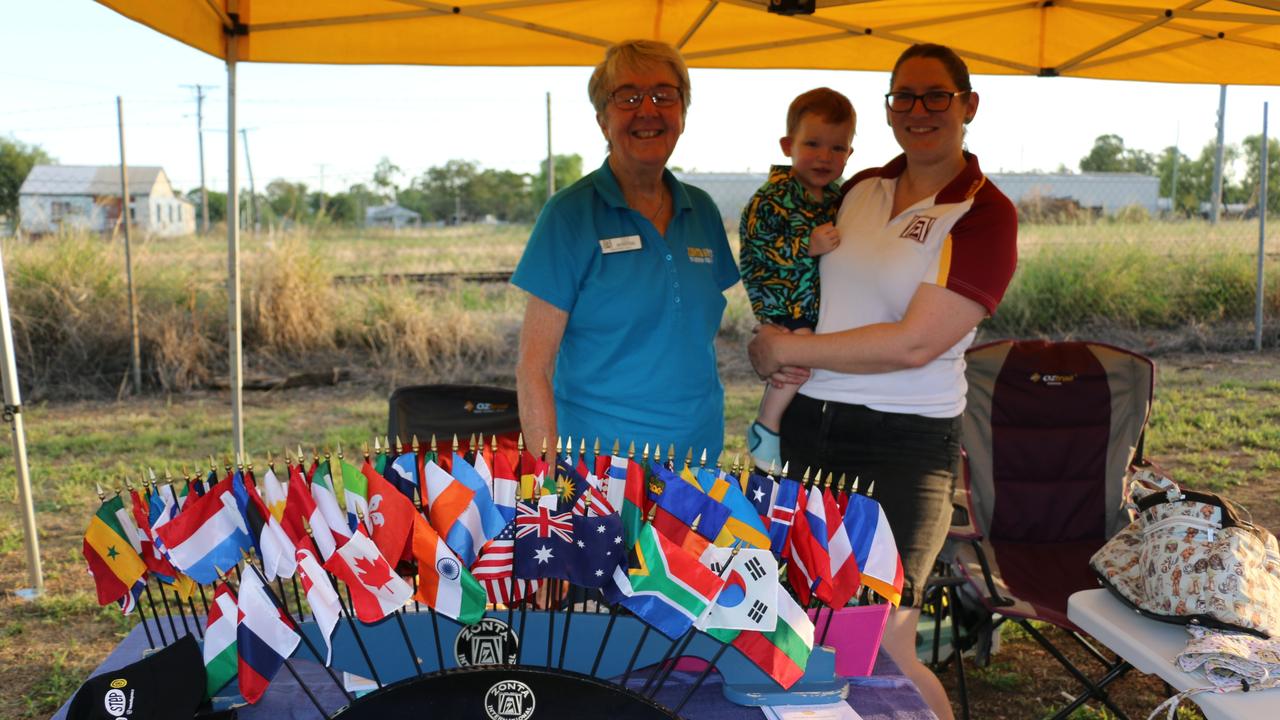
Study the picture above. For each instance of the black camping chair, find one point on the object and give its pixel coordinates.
(445, 410)
(1050, 433)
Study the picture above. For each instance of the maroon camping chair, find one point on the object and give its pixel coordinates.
(1050, 433)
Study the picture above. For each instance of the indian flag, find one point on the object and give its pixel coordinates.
(220, 640)
(443, 583)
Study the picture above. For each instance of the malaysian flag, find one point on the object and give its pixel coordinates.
(493, 570)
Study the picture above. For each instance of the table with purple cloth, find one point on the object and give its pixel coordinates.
(884, 695)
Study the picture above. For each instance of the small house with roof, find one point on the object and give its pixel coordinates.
(391, 215)
(85, 197)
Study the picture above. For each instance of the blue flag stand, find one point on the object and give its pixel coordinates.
(479, 659)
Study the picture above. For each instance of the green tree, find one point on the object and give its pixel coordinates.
(1253, 171)
(1187, 201)
(288, 200)
(1106, 155)
(384, 178)
(568, 171)
(16, 160)
(217, 204)
(441, 190)
(501, 193)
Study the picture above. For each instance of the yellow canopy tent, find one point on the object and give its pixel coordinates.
(1199, 41)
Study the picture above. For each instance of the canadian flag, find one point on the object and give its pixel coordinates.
(376, 590)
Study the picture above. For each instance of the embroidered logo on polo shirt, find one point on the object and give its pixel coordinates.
(700, 255)
(918, 228)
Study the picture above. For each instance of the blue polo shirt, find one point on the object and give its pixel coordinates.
(638, 358)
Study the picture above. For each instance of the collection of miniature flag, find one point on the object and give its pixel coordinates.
(697, 547)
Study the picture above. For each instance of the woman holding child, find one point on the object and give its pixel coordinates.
(927, 248)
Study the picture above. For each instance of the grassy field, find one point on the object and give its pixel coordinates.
(1214, 426)
(1216, 421)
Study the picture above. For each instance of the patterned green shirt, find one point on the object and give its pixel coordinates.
(780, 277)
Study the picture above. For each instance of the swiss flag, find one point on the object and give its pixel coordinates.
(390, 515)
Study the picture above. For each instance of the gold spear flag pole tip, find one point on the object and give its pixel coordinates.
(671, 453)
(596, 446)
(646, 451)
(559, 445)
(631, 450)
(616, 446)
(702, 461)
(102, 494)
(785, 466)
(520, 442)
(582, 446)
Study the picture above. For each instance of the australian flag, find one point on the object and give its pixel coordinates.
(544, 541)
(599, 548)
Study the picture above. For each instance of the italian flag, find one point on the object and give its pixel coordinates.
(355, 492)
(443, 583)
(220, 640)
(322, 491)
(783, 653)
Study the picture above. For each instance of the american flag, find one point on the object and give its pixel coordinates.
(593, 501)
(493, 570)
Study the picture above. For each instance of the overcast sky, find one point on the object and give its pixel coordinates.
(65, 61)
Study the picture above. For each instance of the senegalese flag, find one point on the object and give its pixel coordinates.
(220, 640)
(115, 564)
(663, 585)
(783, 653)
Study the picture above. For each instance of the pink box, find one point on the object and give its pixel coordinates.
(854, 634)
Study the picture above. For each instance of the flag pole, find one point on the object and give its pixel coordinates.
(634, 655)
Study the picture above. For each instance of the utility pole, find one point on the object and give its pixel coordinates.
(1215, 203)
(204, 192)
(1173, 190)
(128, 259)
(253, 193)
(551, 159)
(320, 210)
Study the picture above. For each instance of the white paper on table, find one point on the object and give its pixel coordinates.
(834, 711)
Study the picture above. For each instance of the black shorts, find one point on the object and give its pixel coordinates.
(914, 462)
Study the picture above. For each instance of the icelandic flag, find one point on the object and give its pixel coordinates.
(264, 637)
(782, 515)
(873, 546)
(208, 536)
(454, 514)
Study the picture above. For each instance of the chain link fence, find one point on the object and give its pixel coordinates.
(1102, 256)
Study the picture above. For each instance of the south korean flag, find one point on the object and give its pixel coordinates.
(749, 600)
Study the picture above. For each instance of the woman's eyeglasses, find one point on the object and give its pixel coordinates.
(933, 101)
(629, 97)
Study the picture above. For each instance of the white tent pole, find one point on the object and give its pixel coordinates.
(1264, 161)
(233, 258)
(13, 413)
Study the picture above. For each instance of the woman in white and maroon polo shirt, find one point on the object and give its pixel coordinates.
(927, 248)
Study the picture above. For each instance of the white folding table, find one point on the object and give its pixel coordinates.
(1150, 646)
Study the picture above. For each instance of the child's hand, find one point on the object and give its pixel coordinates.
(823, 239)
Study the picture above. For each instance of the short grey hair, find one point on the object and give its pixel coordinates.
(634, 55)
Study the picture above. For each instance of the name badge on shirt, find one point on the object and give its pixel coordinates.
(619, 244)
(701, 255)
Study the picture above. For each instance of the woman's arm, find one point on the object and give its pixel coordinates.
(935, 320)
(540, 337)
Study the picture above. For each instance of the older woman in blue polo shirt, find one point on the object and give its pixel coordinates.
(625, 272)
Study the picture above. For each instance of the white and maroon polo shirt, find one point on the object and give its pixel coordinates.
(963, 239)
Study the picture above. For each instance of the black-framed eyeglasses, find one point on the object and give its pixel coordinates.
(934, 100)
(629, 97)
